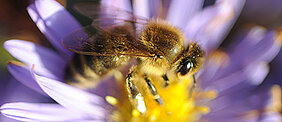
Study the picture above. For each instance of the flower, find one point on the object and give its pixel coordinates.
(234, 73)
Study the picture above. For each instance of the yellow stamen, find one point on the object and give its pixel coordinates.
(111, 100)
(207, 94)
(17, 63)
(178, 105)
(276, 98)
(203, 109)
(135, 113)
(278, 38)
(219, 57)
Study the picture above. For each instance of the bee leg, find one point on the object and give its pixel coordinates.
(193, 86)
(153, 90)
(135, 95)
(166, 80)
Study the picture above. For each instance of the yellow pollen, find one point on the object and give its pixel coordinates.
(154, 115)
(135, 113)
(111, 100)
(178, 105)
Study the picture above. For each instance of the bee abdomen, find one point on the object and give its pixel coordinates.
(78, 70)
(85, 68)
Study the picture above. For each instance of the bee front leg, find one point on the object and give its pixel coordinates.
(135, 95)
(166, 80)
(153, 90)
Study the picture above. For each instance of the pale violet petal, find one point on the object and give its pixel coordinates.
(73, 98)
(22, 73)
(13, 91)
(256, 45)
(123, 5)
(40, 112)
(213, 63)
(155, 8)
(141, 8)
(181, 11)
(234, 104)
(270, 117)
(254, 74)
(47, 62)
(210, 26)
(232, 98)
(54, 21)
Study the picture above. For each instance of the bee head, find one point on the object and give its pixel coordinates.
(190, 60)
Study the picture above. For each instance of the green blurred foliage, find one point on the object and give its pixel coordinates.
(5, 57)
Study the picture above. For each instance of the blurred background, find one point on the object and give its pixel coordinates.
(15, 23)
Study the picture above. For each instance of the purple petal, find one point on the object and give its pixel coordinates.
(73, 98)
(213, 63)
(39, 112)
(141, 8)
(270, 117)
(257, 45)
(13, 91)
(16, 91)
(155, 8)
(54, 21)
(47, 62)
(253, 48)
(22, 73)
(124, 5)
(210, 26)
(232, 106)
(254, 74)
(180, 11)
(245, 95)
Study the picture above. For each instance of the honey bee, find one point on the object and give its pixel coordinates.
(158, 49)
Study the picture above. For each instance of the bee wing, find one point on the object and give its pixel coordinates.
(93, 40)
(104, 15)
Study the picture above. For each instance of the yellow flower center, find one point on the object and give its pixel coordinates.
(178, 104)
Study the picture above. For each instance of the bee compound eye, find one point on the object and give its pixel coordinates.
(185, 68)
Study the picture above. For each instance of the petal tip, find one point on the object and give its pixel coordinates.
(47, 8)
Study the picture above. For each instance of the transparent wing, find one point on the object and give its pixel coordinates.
(93, 40)
(107, 15)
